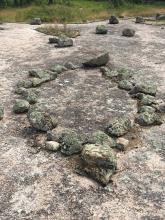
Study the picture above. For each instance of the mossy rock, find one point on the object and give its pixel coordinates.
(148, 119)
(101, 29)
(119, 127)
(146, 108)
(128, 32)
(126, 85)
(58, 69)
(41, 121)
(148, 89)
(21, 106)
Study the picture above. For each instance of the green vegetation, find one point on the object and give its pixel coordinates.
(65, 11)
(58, 31)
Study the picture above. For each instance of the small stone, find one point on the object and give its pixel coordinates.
(52, 145)
(53, 40)
(119, 127)
(146, 108)
(71, 66)
(2, 28)
(147, 100)
(128, 32)
(113, 20)
(99, 137)
(147, 119)
(64, 42)
(25, 83)
(148, 89)
(39, 141)
(21, 106)
(1, 112)
(36, 21)
(37, 82)
(124, 74)
(30, 95)
(97, 61)
(38, 73)
(101, 29)
(71, 143)
(59, 69)
(57, 133)
(122, 144)
(139, 20)
(41, 121)
(126, 85)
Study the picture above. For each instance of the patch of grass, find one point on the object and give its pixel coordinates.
(79, 11)
(58, 31)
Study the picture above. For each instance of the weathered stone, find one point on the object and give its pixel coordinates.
(52, 145)
(160, 17)
(53, 40)
(1, 112)
(38, 73)
(30, 95)
(128, 32)
(99, 137)
(101, 29)
(107, 72)
(113, 20)
(71, 143)
(37, 82)
(139, 20)
(100, 60)
(119, 127)
(25, 83)
(126, 85)
(71, 66)
(124, 74)
(147, 119)
(146, 108)
(58, 69)
(99, 162)
(144, 88)
(41, 121)
(122, 144)
(36, 21)
(147, 100)
(56, 134)
(21, 106)
(64, 42)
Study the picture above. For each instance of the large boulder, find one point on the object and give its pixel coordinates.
(99, 162)
(36, 21)
(97, 61)
(64, 42)
(101, 29)
(41, 121)
(148, 118)
(113, 20)
(119, 127)
(21, 106)
(139, 20)
(1, 112)
(128, 32)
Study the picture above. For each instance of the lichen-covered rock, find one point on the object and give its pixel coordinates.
(30, 95)
(64, 42)
(147, 119)
(58, 69)
(107, 72)
(56, 133)
(21, 106)
(36, 21)
(71, 66)
(144, 88)
(1, 112)
(124, 74)
(147, 100)
(128, 32)
(126, 85)
(99, 162)
(53, 40)
(25, 83)
(122, 143)
(39, 74)
(100, 60)
(113, 20)
(71, 143)
(139, 20)
(146, 108)
(99, 137)
(41, 121)
(101, 29)
(52, 145)
(119, 127)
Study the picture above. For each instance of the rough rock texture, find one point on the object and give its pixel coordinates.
(36, 21)
(149, 89)
(139, 20)
(147, 118)
(113, 20)
(97, 61)
(21, 106)
(128, 32)
(41, 121)
(119, 127)
(101, 29)
(53, 40)
(126, 84)
(43, 185)
(64, 42)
